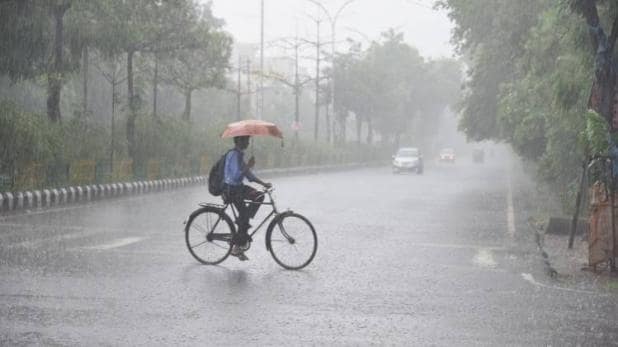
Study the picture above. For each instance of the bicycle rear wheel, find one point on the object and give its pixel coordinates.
(208, 235)
(292, 241)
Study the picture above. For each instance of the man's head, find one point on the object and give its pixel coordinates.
(241, 142)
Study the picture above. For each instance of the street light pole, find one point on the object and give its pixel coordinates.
(296, 93)
(239, 90)
(333, 25)
(260, 110)
(249, 87)
(332, 83)
(317, 84)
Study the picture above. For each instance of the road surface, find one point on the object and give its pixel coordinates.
(443, 259)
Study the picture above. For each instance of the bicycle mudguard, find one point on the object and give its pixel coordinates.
(217, 206)
(272, 224)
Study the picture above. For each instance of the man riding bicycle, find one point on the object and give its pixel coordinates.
(235, 171)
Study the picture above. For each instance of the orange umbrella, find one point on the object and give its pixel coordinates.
(252, 127)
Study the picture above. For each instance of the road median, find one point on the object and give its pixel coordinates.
(15, 202)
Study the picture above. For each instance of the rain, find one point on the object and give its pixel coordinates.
(308, 172)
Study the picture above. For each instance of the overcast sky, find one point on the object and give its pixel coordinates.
(426, 29)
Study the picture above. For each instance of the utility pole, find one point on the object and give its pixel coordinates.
(333, 26)
(318, 60)
(238, 90)
(260, 109)
(332, 82)
(317, 84)
(296, 92)
(85, 81)
(296, 82)
(111, 157)
(249, 86)
(155, 85)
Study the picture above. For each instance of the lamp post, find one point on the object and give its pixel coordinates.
(260, 109)
(332, 18)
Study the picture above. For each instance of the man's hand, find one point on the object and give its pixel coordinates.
(251, 162)
(267, 185)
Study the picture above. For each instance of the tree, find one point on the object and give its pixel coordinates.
(33, 47)
(604, 98)
(492, 34)
(203, 66)
(380, 85)
(529, 79)
(144, 26)
(23, 39)
(393, 90)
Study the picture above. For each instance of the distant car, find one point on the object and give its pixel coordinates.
(408, 159)
(478, 155)
(447, 155)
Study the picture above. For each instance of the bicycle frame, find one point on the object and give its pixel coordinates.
(216, 214)
(270, 202)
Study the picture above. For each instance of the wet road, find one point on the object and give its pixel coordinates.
(439, 259)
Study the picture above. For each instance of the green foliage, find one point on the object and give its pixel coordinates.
(27, 137)
(178, 146)
(389, 86)
(201, 65)
(530, 77)
(24, 38)
(392, 86)
(596, 134)
(24, 137)
(492, 34)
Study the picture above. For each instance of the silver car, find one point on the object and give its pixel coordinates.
(408, 159)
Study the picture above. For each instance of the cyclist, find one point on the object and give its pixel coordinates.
(235, 171)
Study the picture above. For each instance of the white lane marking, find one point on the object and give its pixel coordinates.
(47, 227)
(134, 252)
(484, 258)
(116, 244)
(62, 237)
(529, 278)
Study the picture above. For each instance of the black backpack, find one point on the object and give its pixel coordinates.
(216, 177)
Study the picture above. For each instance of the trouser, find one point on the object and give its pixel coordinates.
(237, 196)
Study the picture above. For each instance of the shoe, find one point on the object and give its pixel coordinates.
(238, 252)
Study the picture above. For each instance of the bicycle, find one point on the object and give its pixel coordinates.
(209, 232)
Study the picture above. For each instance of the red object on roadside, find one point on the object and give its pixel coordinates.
(252, 127)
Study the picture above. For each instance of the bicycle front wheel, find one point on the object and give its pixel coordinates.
(292, 241)
(208, 235)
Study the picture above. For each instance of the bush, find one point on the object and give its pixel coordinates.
(40, 153)
(24, 137)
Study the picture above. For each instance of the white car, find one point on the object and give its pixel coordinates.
(408, 159)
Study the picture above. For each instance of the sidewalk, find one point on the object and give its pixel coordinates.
(571, 265)
(567, 266)
(567, 262)
(535, 204)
